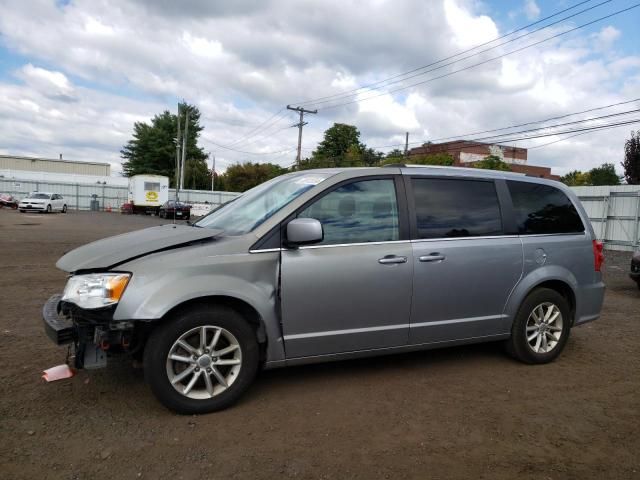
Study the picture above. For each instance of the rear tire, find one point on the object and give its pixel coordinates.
(541, 328)
(180, 337)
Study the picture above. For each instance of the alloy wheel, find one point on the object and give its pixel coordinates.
(204, 362)
(544, 327)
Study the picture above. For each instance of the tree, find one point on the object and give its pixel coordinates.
(631, 162)
(442, 159)
(576, 178)
(243, 176)
(152, 150)
(605, 174)
(492, 162)
(394, 156)
(340, 147)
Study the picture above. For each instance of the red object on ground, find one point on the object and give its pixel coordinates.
(58, 372)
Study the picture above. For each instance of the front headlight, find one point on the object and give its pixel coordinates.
(95, 290)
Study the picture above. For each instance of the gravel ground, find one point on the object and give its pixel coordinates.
(466, 412)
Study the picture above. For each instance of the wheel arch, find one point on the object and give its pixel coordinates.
(555, 278)
(242, 307)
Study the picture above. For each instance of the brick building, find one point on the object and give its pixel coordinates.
(466, 153)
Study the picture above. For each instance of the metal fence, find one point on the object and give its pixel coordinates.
(78, 196)
(614, 212)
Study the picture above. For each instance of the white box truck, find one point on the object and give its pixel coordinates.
(147, 193)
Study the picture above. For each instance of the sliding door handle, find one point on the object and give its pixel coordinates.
(432, 257)
(391, 259)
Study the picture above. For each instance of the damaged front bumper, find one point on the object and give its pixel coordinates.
(91, 333)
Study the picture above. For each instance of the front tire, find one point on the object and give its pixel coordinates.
(202, 360)
(541, 327)
(64, 209)
(49, 208)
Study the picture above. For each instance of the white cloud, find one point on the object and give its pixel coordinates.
(531, 9)
(468, 30)
(95, 67)
(606, 37)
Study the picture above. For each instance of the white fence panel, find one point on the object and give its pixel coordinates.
(614, 212)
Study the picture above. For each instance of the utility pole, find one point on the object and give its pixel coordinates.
(184, 148)
(213, 170)
(178, 157)
(300, 124)
(406, 145)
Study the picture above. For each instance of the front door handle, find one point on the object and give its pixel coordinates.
(432, 257)
(391, 259)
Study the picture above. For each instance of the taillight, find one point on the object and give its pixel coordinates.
(598, 256)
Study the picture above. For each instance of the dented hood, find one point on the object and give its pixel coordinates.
(112, 251)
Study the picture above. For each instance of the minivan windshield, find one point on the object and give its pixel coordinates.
(253, 207)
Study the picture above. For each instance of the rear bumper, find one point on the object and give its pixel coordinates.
(59, 329)
(589, 302)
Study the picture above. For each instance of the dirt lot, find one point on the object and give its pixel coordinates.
(467, 412)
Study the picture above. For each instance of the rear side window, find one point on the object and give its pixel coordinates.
(456, 208)
(542, 209)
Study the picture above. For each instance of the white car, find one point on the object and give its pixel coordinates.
(43, 202)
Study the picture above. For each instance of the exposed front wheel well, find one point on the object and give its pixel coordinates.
(563, 289)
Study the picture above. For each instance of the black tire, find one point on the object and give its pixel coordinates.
(187, 217)
(22, 211)
(64, 209)
(49, 208)
(161, 214)
(162, 339)
(518, 346)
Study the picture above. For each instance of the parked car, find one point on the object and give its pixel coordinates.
(43, 202)
(333, 264)
(175, 209)
(635, 268)
(126, 208)
(8, 201)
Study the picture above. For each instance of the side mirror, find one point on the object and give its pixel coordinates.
(304, 231)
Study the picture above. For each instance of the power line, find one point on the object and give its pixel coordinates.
(310, 101)
(464, 135)
(248, 153)
(485, 61)
(541, 121)
(468, 143)
(248, 134)
(272, 120)
(387, 82)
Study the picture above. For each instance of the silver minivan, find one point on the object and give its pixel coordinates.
(334, 264)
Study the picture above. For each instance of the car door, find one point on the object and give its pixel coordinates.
(59, 201)
(352, 291)
(467, 259)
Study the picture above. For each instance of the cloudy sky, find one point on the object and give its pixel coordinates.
(75, 75)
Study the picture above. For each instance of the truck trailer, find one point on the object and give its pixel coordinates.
(147, 193)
